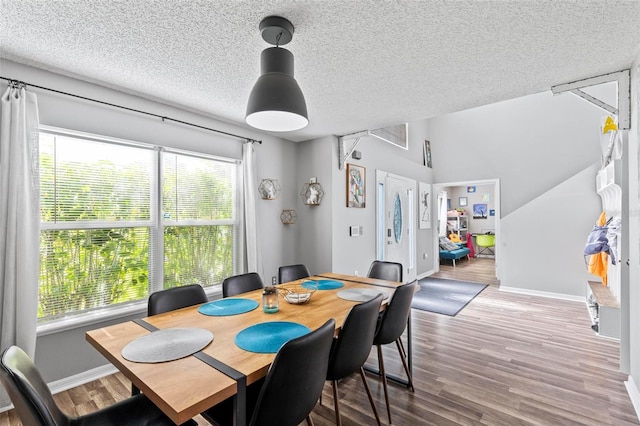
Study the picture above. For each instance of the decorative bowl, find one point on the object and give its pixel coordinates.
(296, 294)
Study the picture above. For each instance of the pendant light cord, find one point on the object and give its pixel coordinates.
(21, 84)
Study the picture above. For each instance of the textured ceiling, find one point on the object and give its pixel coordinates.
(361, 64)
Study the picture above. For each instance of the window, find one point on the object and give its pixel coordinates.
(121, 220)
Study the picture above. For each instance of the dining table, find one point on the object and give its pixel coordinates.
(185, 387)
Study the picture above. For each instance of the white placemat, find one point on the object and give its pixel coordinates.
(167, 345)
(362, 294)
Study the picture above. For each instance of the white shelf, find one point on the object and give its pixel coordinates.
(458, 225)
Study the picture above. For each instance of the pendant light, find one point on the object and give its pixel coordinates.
(276, 102)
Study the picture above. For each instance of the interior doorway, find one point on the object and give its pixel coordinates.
(479, 200)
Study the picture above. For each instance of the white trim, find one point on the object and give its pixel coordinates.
(547, 294)
(426, 274)
(82, 378)
(108, 313)
(438, 187)
(76, 380)
(634, 394)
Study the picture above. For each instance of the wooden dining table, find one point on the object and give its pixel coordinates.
(185, 387)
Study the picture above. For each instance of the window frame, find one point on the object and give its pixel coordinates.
(155, 224)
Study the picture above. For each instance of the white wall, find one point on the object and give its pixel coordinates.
(533, 145)
(543, 241)
(630, 338)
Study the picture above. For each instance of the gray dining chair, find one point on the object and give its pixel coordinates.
(292, 273)
(239, 284)
(351, 348)
(384, 270)
(35, 405)
(391, 324)
(293, 384)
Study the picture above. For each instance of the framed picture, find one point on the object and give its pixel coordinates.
(462, 201)
(356, 192)
(427, 154)
(425, 205)
(471, 189)
(480, 211)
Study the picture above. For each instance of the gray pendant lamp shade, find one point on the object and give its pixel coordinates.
(276, 102)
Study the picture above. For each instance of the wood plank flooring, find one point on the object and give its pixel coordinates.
(505, 359)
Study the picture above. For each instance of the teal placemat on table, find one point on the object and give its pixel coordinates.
(225, 307)
(323, 284)
(268, 337)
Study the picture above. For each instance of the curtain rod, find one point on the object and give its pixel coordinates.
(163, 118)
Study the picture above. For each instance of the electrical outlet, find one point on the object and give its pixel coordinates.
(273, 280)
(355, 273)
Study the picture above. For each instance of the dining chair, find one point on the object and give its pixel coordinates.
(293, 384)
(292, 273)
(175, 298)
(383, 270)
(351, 349)
(239, 284)
(391, 324)
(35, 405)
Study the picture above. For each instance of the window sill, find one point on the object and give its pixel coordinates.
(107, 314)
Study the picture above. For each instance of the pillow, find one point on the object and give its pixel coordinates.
(447, 244)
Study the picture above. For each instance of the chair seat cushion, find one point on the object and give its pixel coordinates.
(455, 254)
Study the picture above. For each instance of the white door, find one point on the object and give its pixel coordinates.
(396, 229)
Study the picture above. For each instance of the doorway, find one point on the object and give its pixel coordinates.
(396, 221)
(486, 193)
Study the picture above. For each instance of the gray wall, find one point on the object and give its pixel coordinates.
(531, 144)
(351, 254)
(543, 149)
(314, 222)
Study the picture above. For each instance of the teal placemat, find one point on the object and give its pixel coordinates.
(225, 307)
(323, 284)
(268, 337)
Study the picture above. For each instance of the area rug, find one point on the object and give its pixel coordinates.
(446, 297)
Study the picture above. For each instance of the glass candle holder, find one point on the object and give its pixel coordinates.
(270, 300)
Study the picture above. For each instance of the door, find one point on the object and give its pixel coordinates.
(396, 222)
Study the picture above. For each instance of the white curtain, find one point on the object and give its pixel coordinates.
(19, 220)
(252, 240)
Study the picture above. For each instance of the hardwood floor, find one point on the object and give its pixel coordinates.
(505, 359)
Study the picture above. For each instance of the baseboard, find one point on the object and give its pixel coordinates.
(547, 294)
(634, 394)
(425, 274)
(76, 380)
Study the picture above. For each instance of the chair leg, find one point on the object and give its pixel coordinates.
(134, 390)
(336, 405)
(403, 352)
(309, 421)
(384, 381)
(366, 387)
(404, 364)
